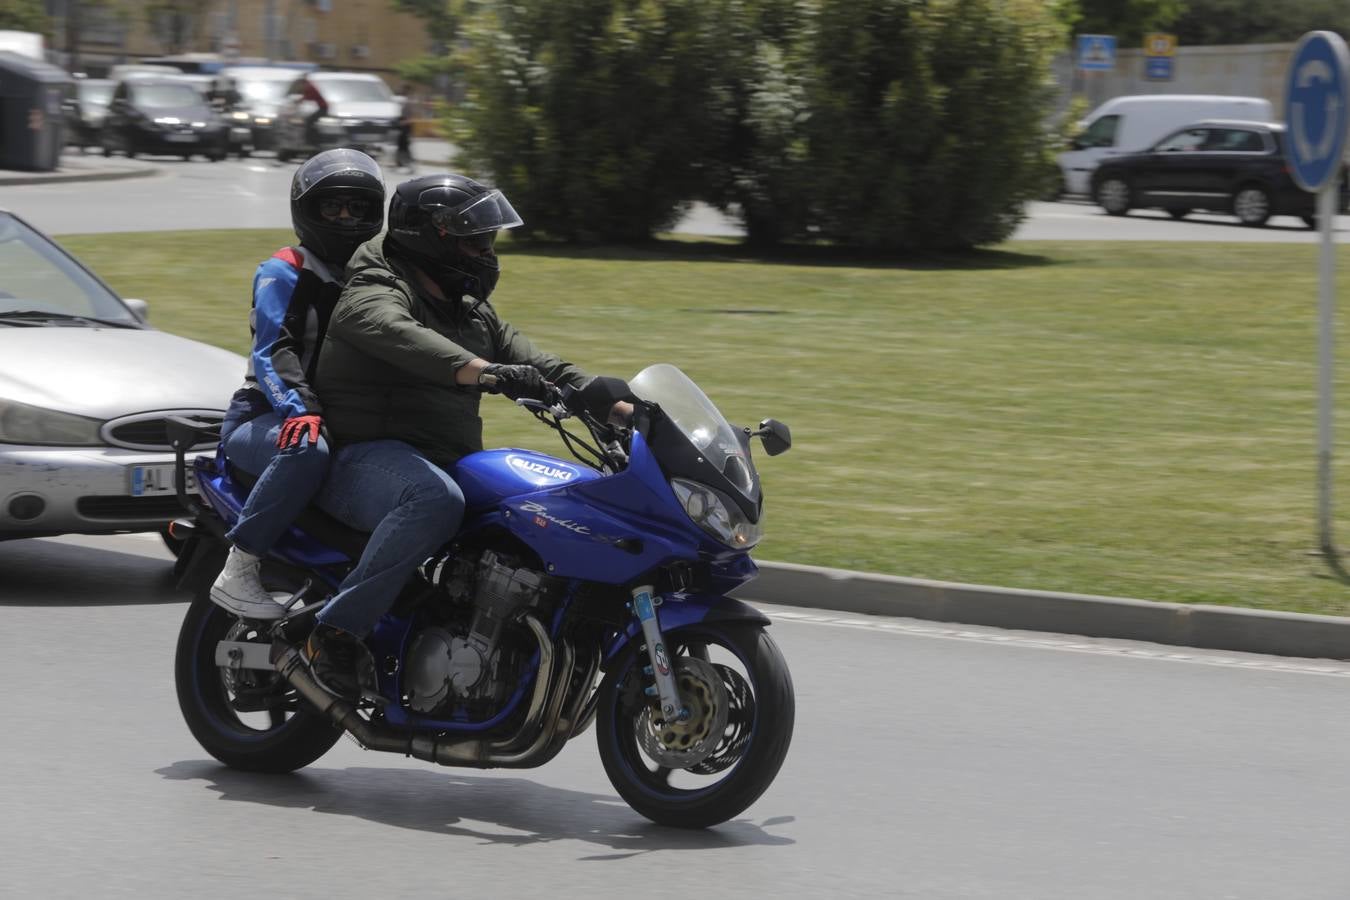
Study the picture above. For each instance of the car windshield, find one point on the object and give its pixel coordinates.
(37, 276)
(694, 414)
(342, 90)
(95, 94)
(165, 96)
(263, 91)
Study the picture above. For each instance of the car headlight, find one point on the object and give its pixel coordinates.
(329, 122)
(715, 515)
(24, 424)
(239, 116)
(262, 120)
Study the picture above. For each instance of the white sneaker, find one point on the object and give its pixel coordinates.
(239, 589)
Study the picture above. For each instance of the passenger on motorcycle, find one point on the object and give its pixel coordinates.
(412, 345)
(272, 429)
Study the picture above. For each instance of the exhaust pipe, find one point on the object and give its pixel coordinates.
(544, 713)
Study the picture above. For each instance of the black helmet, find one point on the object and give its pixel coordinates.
(333, 173)
(430, 217)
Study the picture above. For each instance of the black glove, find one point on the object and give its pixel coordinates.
(515, 382)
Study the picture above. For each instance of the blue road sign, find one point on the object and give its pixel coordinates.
(1158, 68)
(1097, 52)
(1315, 108)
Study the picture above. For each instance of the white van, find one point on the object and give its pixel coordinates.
(1130, 124)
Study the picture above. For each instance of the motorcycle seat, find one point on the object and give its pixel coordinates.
(313, 521)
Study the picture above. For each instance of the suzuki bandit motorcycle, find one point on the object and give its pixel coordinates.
(573, 593)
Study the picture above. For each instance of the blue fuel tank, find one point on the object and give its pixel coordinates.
(490, 476)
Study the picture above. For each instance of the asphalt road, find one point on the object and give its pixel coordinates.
(252, 193)
(929, 762)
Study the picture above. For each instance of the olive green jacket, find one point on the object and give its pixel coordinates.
(388, 363)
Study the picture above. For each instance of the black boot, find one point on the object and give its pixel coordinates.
(337, 659)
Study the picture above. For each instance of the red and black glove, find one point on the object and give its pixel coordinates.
(294, 429)
(515, 382)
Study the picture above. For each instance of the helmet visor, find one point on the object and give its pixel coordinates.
(488, 212)
(335, 162)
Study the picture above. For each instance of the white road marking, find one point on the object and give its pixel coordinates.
(1333, 668)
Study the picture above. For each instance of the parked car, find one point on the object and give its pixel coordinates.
(1131, 124)
(324, 110)
(85, 111)
(1221, 166)
(253, 96)
(162, 114)
(85, 387)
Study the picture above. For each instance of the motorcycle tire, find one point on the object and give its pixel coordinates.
(289, 744)
(770, 731)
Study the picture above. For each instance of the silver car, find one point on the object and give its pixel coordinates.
(85, 386)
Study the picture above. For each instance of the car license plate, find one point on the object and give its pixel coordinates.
(157, 480)
(181, 138)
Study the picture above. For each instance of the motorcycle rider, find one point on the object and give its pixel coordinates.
(412, 345)
(273, 426)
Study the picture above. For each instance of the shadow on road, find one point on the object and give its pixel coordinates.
(45, 573)
(468, 806)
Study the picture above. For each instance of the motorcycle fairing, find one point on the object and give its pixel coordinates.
(613, 529)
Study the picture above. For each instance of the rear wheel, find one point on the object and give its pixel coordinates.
(1251, 204)
(246, 718)
(1113, 194)
(712, 766)
(1178, 213)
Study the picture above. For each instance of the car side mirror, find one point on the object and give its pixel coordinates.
(1077, 144)
(776, 437)
(140, 308)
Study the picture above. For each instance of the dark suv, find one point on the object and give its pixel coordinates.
(1224, 166)
(162, 114)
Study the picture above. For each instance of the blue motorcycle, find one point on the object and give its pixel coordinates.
(574, 592)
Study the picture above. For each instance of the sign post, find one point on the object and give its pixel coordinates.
(1315, 120)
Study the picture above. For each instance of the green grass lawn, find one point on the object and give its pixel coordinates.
(1120, 419)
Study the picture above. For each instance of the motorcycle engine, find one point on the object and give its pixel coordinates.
(470, 655)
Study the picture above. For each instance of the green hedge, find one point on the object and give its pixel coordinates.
(894, 125)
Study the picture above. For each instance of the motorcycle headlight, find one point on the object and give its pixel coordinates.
(24, 424)
(719, 518)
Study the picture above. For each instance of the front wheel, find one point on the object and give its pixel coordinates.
(712, 766)
(248, 719)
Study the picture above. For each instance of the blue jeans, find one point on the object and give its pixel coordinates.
(287, 480)
(411, 507)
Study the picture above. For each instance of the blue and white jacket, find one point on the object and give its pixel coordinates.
(293, 298)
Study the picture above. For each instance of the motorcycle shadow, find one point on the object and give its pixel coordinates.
(452, 803)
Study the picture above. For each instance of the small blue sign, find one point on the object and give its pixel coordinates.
(1158, 68)
(1315, 111)
(1097, 52)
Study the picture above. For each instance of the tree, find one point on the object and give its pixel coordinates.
(1128, 20)
(23, 15)
(594, 116)
(1270, 21)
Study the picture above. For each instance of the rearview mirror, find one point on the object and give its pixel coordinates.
(776, 436)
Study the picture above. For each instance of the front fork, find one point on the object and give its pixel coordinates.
(644, 608)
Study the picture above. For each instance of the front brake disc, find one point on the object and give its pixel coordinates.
(680, 745)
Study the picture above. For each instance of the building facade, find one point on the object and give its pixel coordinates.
(359, 35)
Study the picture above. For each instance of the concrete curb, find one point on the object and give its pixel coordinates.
(9, 177)
(1210, 627)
